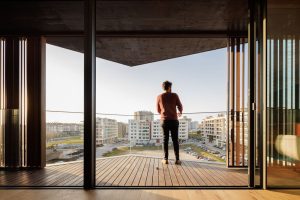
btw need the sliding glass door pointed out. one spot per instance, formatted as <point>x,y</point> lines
<point>283,99</point>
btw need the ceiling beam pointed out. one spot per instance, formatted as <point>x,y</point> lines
<point>136,34</point>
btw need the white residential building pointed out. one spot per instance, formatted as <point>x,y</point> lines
<point>106,130</point>
<point>122,130</point>
<point>183,129</point>
<point>194,125</point>
<point>156,129</point>
<point>214,129</point>
<point>144,115</point>
<point>64,128</point>
<point>139,131</point>
<point>189,120</point>
<point>157,132</point>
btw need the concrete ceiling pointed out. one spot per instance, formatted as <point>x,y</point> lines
<point>66,18</point>
<point>283,18</point>
<point>138,51</point>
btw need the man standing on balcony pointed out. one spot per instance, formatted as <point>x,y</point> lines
<point>166,106</point>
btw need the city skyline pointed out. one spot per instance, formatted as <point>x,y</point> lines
<point>184,117</point>
<point>193,76</point>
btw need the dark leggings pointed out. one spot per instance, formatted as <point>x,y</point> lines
<point>171,126</point>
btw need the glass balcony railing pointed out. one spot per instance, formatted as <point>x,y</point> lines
<point>144,136</point>
<point>64,136</point>
<point>202,136</point>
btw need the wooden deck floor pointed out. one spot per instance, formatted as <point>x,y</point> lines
<point>130,171</point>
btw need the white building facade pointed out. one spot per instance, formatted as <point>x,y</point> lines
<point>106,130</point>
<point>194,125</point>
<point>139,132</point>
<point>157,132</point>
<point>156,128</point>
<point>122,130</point>
<point>214,129</point>
<point>67,128</point>
<point>144,115</point>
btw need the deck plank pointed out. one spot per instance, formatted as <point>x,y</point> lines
<point>103,170</point>
<point>211,175</point>
<point>125,173</point>
<point>155,172</point>
<point>68,177</point>
<point>198,177</point>
<point>226,180</point>
<point>111,173</point>
<point>172,174</point>
<point>129,172</point>
<point>41,177</point>
<point>201,173</point>
<point>149,181</point>
<point>184,175</point>
<point>79,181</point>
<point>239,178</point>
<point>14,178</point>
<point>134,172</point>
<point>104,177</point>
<point>139,173</point>
<point>168,179</point>
<point>144,174</point>
<point>186,168</point>
<point>161,175</point>
<point>179,176</point>
<point>119,171</point>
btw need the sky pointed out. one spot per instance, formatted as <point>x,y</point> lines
<point>200,80</point>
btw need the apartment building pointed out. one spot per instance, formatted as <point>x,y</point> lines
<point>156,129</point>
<point>64,129</point>
<point>157,134</point>
<point>122,130</point>
<point>194,125</point>
<point>144,115</point>
<point>183,130</point>
<point>214,130</point>
<point>189,121</point>
<point>139,131</point>
<point>106,130</point>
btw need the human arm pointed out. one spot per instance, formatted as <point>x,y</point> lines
<point>179,106</point>
<point>157,105</point>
